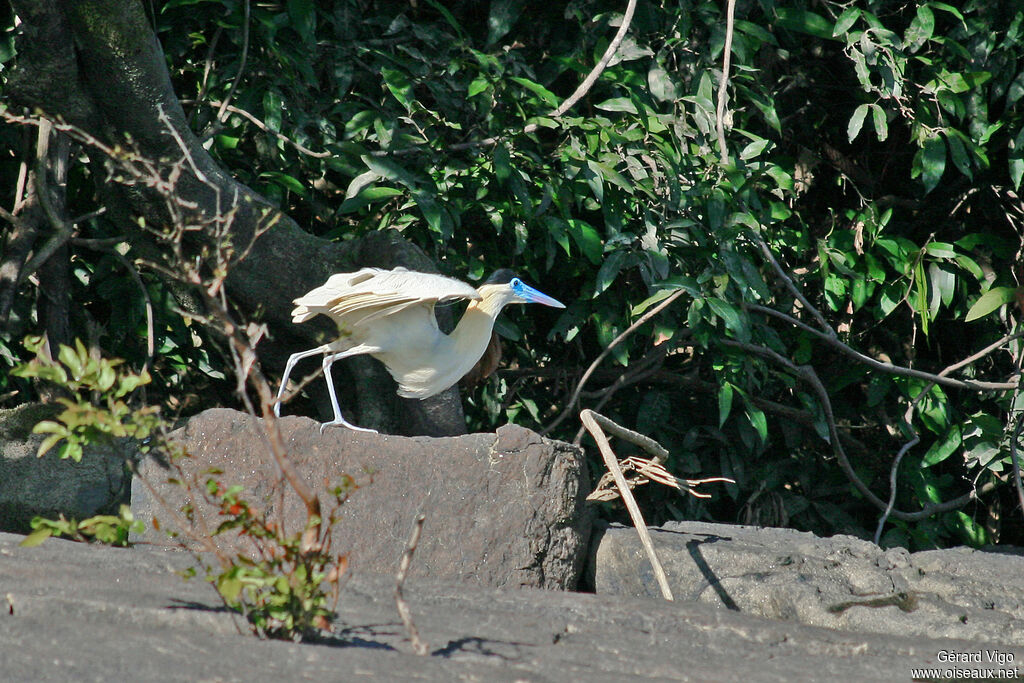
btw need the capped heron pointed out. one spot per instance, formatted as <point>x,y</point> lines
<point>389,314</point>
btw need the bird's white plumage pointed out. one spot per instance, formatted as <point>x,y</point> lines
<point>353,299</point>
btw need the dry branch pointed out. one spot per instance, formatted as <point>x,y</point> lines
<point>403,569</point>
<point>612,463</point>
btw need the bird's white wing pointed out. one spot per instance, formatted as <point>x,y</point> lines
<point>356,298</point>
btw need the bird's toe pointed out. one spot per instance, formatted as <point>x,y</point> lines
<point>347,425</point>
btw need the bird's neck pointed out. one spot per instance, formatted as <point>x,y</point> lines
<point>473,332</point>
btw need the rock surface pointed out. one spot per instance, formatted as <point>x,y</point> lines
<point>73,612</point>
<point>49,486</point>
<point>503,509</point>
<point>840,582</point>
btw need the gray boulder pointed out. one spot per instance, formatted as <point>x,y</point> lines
<point>840,582</point>
<point>503,509</point>
<point>49,486</point>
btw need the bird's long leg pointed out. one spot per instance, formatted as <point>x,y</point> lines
<point>338,419</point>
<point>292,360</point>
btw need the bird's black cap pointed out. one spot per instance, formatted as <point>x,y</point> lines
<point>502,276</point>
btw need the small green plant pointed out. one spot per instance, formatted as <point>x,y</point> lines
<point>108,529</point>
<point>286,589</point>
<point>290,589</point>
<point>97,409</point>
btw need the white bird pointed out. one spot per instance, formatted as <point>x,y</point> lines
<point>389,314</point>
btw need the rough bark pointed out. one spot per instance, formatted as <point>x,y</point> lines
<point>98,65</point>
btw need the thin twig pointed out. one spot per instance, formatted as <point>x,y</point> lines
<point>1016,460</point>
<point>723,82</point>
<point>571,405</point>
<point>241,61</point>
<point>788,282</point>
<point>646,367</point>
<point>612,463</point>
<point>207,68</point>
<point>648,470</point>
<point>658,452</point>
<point>267,129</point>
<point>418,645</point>
<point>595,73</point>
<point>568,103</point>
<point>892,486</point>
<point>940,378</point>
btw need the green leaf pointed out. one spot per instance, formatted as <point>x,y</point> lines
<point>447,16</point>
<point>286,181</point>
<point>399,85</point>
<point>49,442</point>
<point>370,195</point>
<point>803,21</point>
<point>973,532</point>
<point>932,162</point>
<point>845,21</point>
<point>662,85</point>
<point>941,450</point>
<point>502,163</point>
<point>920,29</point>
<point>229,587</point>
<point>958,153</point>
<point>941,250</point>
<point>758,421</point>
<point>1016,159</point>
<point>478,85</point>
<point>754,149</point>
<point>729,316</point>
<point>990,301</point>
<point>724,403</point>
<point>587,239</point>
<point>617,104</point>
<point>943,285</point>
<point>546,95</point>
<point>70,358</point>
<point>881,124</point>
<point>856,122</point>
<point>36,537</point>
<point>1016,169</point>
<point>389,170</point>
<point>609,271</point>
<point>948,8</point>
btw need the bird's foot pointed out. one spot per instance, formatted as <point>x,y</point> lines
<point>277,409</point>
<point>342,422</point>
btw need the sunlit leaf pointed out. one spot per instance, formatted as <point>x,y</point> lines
<point>36,537</point>
<point>724,402</point>
<point>856,122</point>
<point>991,300</point>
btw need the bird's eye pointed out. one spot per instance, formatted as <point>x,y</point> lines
<point>515,283</point>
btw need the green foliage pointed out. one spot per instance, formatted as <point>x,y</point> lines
<point>98,409</point>
<point>876,147</point>
<point>107,529</point>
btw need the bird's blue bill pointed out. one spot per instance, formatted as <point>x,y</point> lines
<point>533,296</point>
